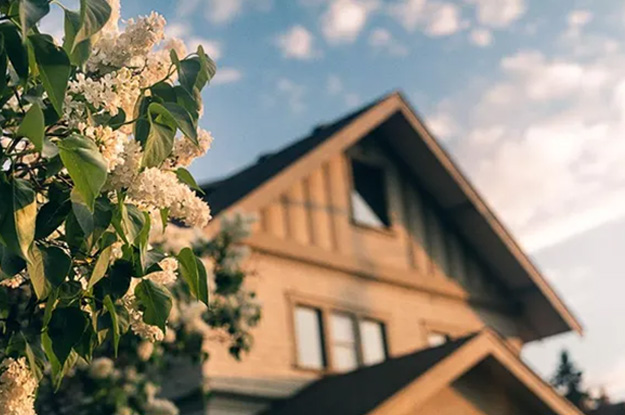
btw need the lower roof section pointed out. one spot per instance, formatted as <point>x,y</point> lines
<point>402,385</point>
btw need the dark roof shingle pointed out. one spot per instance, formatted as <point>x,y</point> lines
<point>362,390</point>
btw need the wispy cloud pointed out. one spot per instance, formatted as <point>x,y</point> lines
<point>381,40</point>
<point>297,43</point>
<point>544,143</point>
<point>499,13</point>
<point>481,37</point>
<point>293,93</point>
<point>227,76</point>
<point>434,18</point>
<point>220,11</point>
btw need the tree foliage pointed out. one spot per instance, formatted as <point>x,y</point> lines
<point>95,132</point>
<point>129,385</point>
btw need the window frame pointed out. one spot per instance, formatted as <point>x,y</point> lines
<point>326,309</point>
<point>386,229</point>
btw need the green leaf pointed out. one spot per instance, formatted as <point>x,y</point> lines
<point>208,66</point>
<point>15,49</point>
<point>32,360</point>
<point>160,140</point>
<point>18,212</point>
<point>3,67</point>
<point>116,283</point>
<point>65,330</point>
<point>195,72</point>
<point>129,222</point>
<point>164,213</point>
<point>93,15</point>
<point>33,126</point>
<point>5,306</point>
<point>51,302</point>
<point>78,53</point>
<point>100,267</point>
<point>182,119</point>
<point>156,302</point>
<point>110,307</point>
<point>55,365</point>
<point>54,68</point>
<point>85,165</point>
<point>191,101</point>
<point>50,217</point>
<point>48,267</point>
<point>10,264</point>
<point>31,11</point>
<point>194,273</point>
<point>185,177</point>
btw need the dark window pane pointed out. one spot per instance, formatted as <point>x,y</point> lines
<point>369,204</point>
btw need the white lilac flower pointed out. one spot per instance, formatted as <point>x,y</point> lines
<point>112,25</point>
<point>130,47</point>
<point>125,172</point>
<point>167,275</point>
<point>185,151</point>
<point>145,350</point>
<point>157,189</point>
<point>17,387</point>
<point>101,368</point>
<point>150,390</point>
<point>161,407</point>
<point>13,282</point>
<point>170,335</point>
<point>191,318</point>
<point>110,142</point>
<point>141,328</point>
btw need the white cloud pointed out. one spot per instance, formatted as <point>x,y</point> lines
<point>334,85</point>
<point>344,19</point>
<point>499,13</point>
<point>481,37</point>
<point>297,43</point>
<point>382,40</point>
<point>294,94</point>
<point>408,12</point>
<point>546,80</point>
<point>576,20</point>
<point>579,18</point>
<point>212,48</point>
<point>442,19</point>
<point>177,30</point>
<point>227,76</point>
<point>442,125</point>
<point>434,18</point>
<point>544,143</point>
<point>220,11</point>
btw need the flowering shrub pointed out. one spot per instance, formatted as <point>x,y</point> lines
<point>96,135</point>
<point>130,384</point>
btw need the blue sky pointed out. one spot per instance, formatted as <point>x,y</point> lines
<point>527,95</point>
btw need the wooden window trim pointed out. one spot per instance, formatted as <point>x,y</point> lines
<point>327,308</point>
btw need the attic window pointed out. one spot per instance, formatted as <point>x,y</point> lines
<point>369,204</point>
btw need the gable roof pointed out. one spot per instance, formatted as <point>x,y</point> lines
<point>363,390</point>
<point>545,313</point>
<point>403,383</point>
<point>225,192</point>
